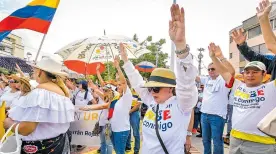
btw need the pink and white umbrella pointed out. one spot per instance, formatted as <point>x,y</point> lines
<point>145,66</point>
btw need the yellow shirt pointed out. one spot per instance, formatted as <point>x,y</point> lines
<point>136,98</point>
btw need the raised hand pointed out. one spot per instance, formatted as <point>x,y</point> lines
<point>98,67</point>
<point>218,52</point>
<point>212,49</point>
<point>177,26</point>
<point>264,9</point>
<point>117,61</point>
<point>17,68</point>
<point>123,52</point>
<point>238,36</point>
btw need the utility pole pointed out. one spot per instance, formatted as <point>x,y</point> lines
<point>200,56</point>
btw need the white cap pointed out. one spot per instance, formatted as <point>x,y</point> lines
<point>257,64</point>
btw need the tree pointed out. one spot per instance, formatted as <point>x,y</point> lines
<point>155,48</point>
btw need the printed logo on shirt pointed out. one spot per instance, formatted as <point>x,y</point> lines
<point>30,149</point>
<point>163,119</point>
<point>251,99</point>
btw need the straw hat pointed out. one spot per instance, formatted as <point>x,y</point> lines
<point>50,65</point>
<point>161,77</point>
<point>26,81</point>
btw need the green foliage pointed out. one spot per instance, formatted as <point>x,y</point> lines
<point>154,47</point>
<point>5,71</point>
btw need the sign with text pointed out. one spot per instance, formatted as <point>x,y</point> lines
<point>83,126</point>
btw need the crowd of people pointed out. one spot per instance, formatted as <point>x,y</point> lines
<point>43,104</point>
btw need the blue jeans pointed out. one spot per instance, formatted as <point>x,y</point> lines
<point>106,145</point>
<point>212,129</point>
<point>135,124</point>
<point>119,140</point>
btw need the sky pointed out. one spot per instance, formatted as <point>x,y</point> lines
<point>206,21</point>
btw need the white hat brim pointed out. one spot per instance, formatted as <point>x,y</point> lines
<point>61,74</point>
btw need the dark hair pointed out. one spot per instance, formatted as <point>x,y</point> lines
<point>84,85</point>
<point>50,75</point>
<point>174,92</point>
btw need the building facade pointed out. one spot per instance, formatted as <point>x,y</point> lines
<point>255,39</point>
<point>12,46</point>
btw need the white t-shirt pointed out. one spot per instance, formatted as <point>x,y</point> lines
<point>173,123</point>
<point>8,97</point>
<point>251,105</point>
<point>174,114</point>
<point>80,98</point>
<point>215,96</point>
<point>120,119</point>
<point>103,115</point>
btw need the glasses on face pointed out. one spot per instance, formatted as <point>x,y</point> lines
<point>13,81</point>
<point>211,69</point>
<point>154,89</point>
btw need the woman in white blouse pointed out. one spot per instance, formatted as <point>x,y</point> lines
<point>44,116</point>
<point>168,116</point>
<point>12,93</point>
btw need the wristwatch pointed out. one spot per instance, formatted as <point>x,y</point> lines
<point>189,133</point>
<point>179,52</point>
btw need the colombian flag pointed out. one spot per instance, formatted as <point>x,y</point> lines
<point>36,16</point>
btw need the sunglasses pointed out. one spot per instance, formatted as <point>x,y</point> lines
<point>154,89</point>
<point>13,81</point>
<point>211,69</point>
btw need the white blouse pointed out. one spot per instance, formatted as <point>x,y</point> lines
<point>52,111</point>
<point>8,97</point>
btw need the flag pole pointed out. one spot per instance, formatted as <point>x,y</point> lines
<point>39,50</point>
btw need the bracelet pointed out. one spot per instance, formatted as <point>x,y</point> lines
<point>187,49</point>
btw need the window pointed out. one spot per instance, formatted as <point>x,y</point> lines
<point>8,38</point>
<point>254,32</point>
<point>230,55</point>
<point>263,49</point>
<point>2,48</point>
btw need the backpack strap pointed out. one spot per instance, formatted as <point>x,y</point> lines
<point>157,131</point>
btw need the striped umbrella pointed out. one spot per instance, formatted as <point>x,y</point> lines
<point>145,66</point>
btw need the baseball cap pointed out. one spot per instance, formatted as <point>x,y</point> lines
<point>256,64</point>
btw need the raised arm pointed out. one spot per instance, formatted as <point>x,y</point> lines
<point>263,14</point>
<point>18,69</point>
<point>186,72</point>
<point>246,51</point>
<point>224,61</point>
<point>96,89</point>
<point>223,71</point>
<point>135,78</point>
<point>120,73</point>
<point>99,75</point>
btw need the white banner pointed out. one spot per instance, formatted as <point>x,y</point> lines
<point>83,126</point>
